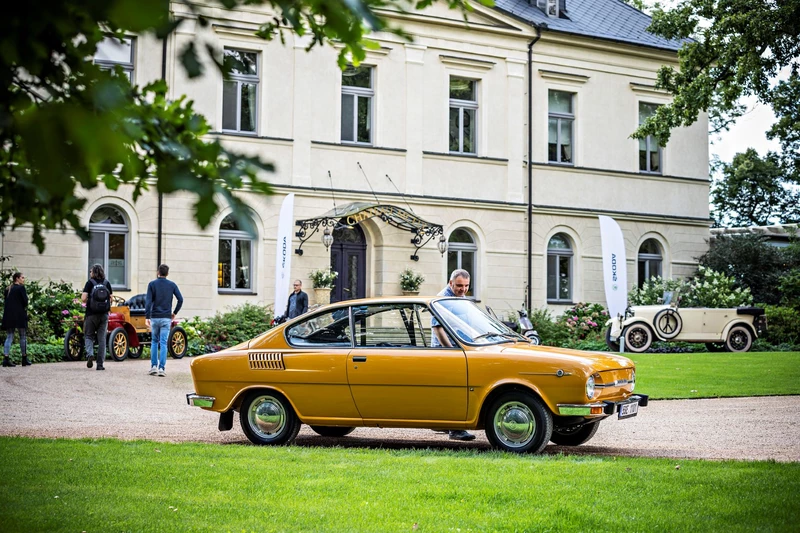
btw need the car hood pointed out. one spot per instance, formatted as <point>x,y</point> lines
<point>598,361</point>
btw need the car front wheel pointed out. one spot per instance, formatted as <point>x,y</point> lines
<point>268,418</point>
<point>73,345</point>
<point>518,422</point>
<point>332,431</point>
<point>638,338</point>
<point>574,435</point>
<point>740,339</point>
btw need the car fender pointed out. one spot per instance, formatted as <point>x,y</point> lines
<point>478,409</point>
<point>738,322</point>
<point>617,332</point>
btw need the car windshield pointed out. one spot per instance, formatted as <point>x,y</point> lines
<point>471,324</point>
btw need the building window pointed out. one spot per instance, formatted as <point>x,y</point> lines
<point>463,115</point>
<point>560,121</point>
<point>240,91</point>
<point>462,253</point>
<point>235,265</point>
<point>552,8</point>
<point>649,260</point>
<point>559,269</point>
<point>111,52</point>
<point>357,93</point>
<point>649,150</point>
<point>108,244</point>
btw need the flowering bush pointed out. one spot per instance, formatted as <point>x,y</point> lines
<point>73,314</point>
<point>653,289</point>
<point>410,280</point>
<point>323,279</point>
<point>584,321</point>
<point>710,288</point>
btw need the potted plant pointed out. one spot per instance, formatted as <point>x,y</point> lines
<point>322,281</point>
<point>410,281</point>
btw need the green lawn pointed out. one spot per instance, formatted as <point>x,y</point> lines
<point>713,375</point>
<point>107,485</point>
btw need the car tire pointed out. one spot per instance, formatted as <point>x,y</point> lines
<point>740,339</point>
<point>74,348</point>
<point>177,342</point>
<point>118,344</point>
<point>612,345</point>
<point>638,337</point>
<point>268,418</point>
<point>332,431</point>
<point>518,422</point>
<point>574,435</point>
<point>715,347</point>
<point>668,323</point>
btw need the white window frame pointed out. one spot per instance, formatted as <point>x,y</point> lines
<point>561,117</point>
<point>127,66</point>
<point>558,253</point>
<point>458,248</point>
<point>461,105</point>
<point>649,141</point>
<point>252,79</point>
<point>649,259</point>
<point>357,93</point>
<point>552,8</point>
<point>113,229</point>
<point>236,236</point>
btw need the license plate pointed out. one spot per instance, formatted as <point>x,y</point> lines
<point>628,410</point>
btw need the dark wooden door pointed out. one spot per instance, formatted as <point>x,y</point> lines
<point>349,259</point>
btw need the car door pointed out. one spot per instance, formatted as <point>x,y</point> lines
<point>394,373</point>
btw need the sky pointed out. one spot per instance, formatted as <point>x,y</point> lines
<point>748,132</point>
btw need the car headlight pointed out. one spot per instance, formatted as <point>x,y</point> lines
<point>633,380</point>
<point>590,387</point>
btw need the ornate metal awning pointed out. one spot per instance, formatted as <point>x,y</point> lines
<point>355,212</point>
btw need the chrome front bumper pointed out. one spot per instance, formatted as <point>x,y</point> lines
<point>200,401</point>
<point>599,408</point>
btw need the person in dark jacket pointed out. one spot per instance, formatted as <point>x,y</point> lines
<point>298,301</point>
<point>159,316</point>
<point>95,323</point>
<point>15,317</point>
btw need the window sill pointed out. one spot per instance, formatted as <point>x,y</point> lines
<point>560,164</point>
<point>360,146</point>
<point>249,135</point>
<point>561,302</point>
<point>241,292</point>
<point>460,155</point>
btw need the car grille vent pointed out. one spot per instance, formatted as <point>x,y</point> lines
<point>266,361</point>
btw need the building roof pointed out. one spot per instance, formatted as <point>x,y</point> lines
<point>602,19</point>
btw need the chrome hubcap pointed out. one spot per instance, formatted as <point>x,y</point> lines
<point>514,424</point>
<point>267,417</point>
<point>637,338</point>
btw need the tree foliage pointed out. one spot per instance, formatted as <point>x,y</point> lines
<point>739,48</point>
<point>751,192</point>
<point>67,124</point>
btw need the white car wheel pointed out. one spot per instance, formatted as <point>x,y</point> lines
<point>740,339</point>
<point>638,338</point>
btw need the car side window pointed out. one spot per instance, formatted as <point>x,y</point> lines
<point>331,329</point>
<point>388,326</point>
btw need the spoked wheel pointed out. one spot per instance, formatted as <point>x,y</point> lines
<point>740,339</point>
<point>74,348</point>
<point>518,422</point>
<point>574,435</point>
<point>268,418</point>
<point>118,344</point>
<point>135,352</point>
<point>638,338</point>
<point>177,343</point>
<point>332,431</point>
<point>117,301</point>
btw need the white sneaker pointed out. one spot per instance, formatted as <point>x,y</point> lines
<point>153,370</point>
<point>161,372</point>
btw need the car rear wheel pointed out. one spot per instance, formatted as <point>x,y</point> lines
<point>73,345</point>
<point>518,422</point>
<point>268,418</point>
<point>574,435</point>
<point>612,345</point>
<point>638,338</point>
<point>332,431</point>
<point>740,339</point>
<point>118,344</point>
<point>177,344</point>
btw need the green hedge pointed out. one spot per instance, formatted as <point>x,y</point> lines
<point>38,353</point>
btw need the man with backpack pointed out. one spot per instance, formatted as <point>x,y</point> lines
<point>97,297</point>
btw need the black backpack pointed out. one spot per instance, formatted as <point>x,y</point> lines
<point>100,298</point>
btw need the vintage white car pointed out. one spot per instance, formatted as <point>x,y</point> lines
<point>731,329</point>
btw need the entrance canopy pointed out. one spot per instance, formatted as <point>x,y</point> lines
<point>355,212</point>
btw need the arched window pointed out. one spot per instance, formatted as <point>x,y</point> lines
<point>108,244</point>
<point>235,264</point>
<point>649,260</point>
<point>462,253</point>
<point>559,269</point>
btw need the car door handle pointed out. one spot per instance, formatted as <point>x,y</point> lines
<point>359,358</point>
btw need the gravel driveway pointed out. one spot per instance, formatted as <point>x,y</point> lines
<point>69,400</point>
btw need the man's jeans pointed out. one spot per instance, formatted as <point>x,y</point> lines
<point>158,345</point>
<point>95,328</point>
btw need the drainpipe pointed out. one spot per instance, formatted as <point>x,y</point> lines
<point>161,195</point>
<point>530,166</point>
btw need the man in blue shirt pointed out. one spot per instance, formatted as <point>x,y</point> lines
<point>457,287</point>
<point>159,316</point>
<point>298,301</point>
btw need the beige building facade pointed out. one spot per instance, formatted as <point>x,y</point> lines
<point>438,127</point>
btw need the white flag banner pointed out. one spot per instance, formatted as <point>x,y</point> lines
<point>283,255</point>
<point>615,268</point>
